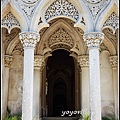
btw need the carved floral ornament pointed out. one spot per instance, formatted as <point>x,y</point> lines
<point>83,61</point>
<point>112,21</point>
<point>10,21</point>
<point>8,60</point>
<point>61,7</point>
<point>93,39</point>
<point>39,62</point>
<point>61,37</point>
<point>29,39</point>
<point>113,61</point>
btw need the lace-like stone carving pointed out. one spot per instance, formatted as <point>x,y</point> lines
<point>28,10</point>
<point>10,21</point>
<point>8,60</point>
<point>62,7</point>
<point>39,62</point>
<point>83,61</point>
<point>29,39</point>
<point>113,61</point>
<point>93,39</point>
<point>112,21</point>
<point>19,47</point>
<point>96,5</point>
<point>61,37</point>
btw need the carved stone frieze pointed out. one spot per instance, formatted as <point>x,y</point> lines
<point>60,37</point>
<point>113,61</point>
<point>112,21</point>
<point>96,5</point>
<point>29,39</point>
<point>93,39</point>
<point>8,60</point>
<point>62,7</point>
<point>39,62</point>
<point>61,46</point>
<point>83,61</point>
<point>10,21</point>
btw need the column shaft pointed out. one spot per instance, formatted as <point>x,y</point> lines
<point>28,84</point>
<point>29,41</point>
<point>93,41</point>
<point>95,95</point>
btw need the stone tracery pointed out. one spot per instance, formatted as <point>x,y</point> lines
<point>96,5</point>
<point>60,37</point>
<point>112,21</point>
<point>10,21</point>
<point>61,7</point>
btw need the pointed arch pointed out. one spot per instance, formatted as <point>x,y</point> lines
<point>55,26</point>
<point>44,4</point>
<point>11,7</point>
<point>112,7</point>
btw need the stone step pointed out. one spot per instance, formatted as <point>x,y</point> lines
<point>59,118</point>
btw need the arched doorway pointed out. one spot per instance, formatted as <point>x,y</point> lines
<point>60,76</point>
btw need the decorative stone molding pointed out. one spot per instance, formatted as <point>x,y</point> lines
<point>112,21</point>
<point>29,39</point>
<point>60,37</point>
<point>8,60</point>
<point>30,1</point>
<point>83,61</point>
<point>93,40</point>
<point>113,61</point>
<point>19,47</point>
<point>39,62</point>
<point>96,5</point>
<point>62,7</point>
<point>10,21</point>
<point>103,47</point>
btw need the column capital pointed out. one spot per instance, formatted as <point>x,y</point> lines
<point>113,61</point>
<point>83,61</point>
<point>8,60</point>
<point>29,39</point>
<point>39,62</point>
<point>93,39</point>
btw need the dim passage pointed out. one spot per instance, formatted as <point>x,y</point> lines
<point>70,113</point>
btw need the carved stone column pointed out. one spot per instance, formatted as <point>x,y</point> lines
<point>7,63</point>
<point>29,41</point>
<point>114,65</point>
<point>93,41</point>
<point>84,64</point>
<point>38,68</point>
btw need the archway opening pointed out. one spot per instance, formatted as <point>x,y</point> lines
<point>60,76</point>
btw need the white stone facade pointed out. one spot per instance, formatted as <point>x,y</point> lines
<point>33,29</point>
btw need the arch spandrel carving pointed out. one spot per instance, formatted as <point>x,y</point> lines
<point>61,7</point>
<point>112,22</point>
<point>10,22</point>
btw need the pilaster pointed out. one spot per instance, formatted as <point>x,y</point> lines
<point>83,62</point>
<point>114,64</point>
<point>5,82</point>
<point>29,41</point>
<point>93,41</point>
<point>38,68</point>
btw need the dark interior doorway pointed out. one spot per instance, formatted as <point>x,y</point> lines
<point>61,83</point>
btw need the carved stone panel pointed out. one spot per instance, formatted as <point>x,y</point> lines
<point>10,21</point>
<point>62,7</point>
<point>60,37</point>
<point>112,21</point>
